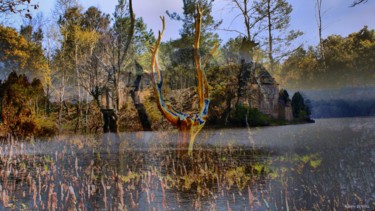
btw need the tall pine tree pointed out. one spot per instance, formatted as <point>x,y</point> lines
<point>276,21</point>
<point>181,70</point>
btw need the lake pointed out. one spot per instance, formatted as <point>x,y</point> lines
<point>322,166</point>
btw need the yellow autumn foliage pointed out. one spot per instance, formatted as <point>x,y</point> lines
<point>21,56</point>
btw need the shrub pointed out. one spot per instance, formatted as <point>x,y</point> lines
<point>254,117</point>
<point>20,103</point>
<point>45,126</point>
<point>300,107</point>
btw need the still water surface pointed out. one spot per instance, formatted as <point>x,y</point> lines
<point>327,165</point>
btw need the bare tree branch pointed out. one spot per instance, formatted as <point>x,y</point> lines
<point>17,6</point>
<point>131,31</point>
<point>233,30</point>
<point>356,2</point>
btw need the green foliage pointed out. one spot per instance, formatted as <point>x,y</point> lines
<point>314,160</point>
<point>80,35</point>
<point>188,18</point>
<point>94,19</point>
<point>23,53</point>
<point>18,54</point>
<point>231,49</point>
<point>347,60</point>
<point>30,35</point>
<point>241,114</point>
<point>180,70</point>
<point>223,90</point>
<point>300,110</point>
<point>276,20</point>
<point>284,96</point>
<point>44,125</point>
<point>142,38</point>
<point>154,115</point>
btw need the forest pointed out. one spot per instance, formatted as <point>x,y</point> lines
<point>89,70</point>
<point>99,112</point>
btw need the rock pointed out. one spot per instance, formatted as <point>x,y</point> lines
<point>258,89</point>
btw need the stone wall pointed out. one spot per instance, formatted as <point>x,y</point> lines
<point>262,92</point>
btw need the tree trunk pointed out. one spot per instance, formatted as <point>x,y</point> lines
<point>186,139</point>
<point>87,113</point>
<point>182,141</point>
<point>319,21</point>
<point>97,100</point>
<point>78,124</point>
<point>78,113</point>
<point>229,95</point>
<point>189,125</point>
<point>116,77</point>
<point>48,101</point>
<point>142,114</point>
<point>110,121</point>
<point>116,93</point>
<point>107,104</point>
<point>1,109</point>
<point>61,100</point>
<point>270,38</point>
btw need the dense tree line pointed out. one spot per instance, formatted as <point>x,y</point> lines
<point>23,53</point>
<point>348,61</point>
<point>88,61</point>
<point>24,107</point>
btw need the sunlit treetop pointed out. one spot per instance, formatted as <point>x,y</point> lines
<point>20,55</point>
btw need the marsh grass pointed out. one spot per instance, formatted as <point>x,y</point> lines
<point>141,171</point>
<point>78,173</point>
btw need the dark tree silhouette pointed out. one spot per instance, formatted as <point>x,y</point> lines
<point>300,109</point>
<point>284,96</point>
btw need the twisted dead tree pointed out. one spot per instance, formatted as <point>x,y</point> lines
<point>188,125</point>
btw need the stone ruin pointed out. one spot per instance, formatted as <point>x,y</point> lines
<point>259,90</point>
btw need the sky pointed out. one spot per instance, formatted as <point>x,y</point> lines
<point>338,17</point>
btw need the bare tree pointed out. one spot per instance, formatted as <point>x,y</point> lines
<point>61,6</point>
<point>356,2</point>
<point>61,64</point>
<point>93,77</point>
<point>121,46</point>
<point>117,55</point>
<point>318,15</point>
<point>18,6</point>
<point>189,125</point>
<point>251,21</point>
<point>276,21</point>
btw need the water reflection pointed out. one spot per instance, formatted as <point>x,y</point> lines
<point>324,166</point>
